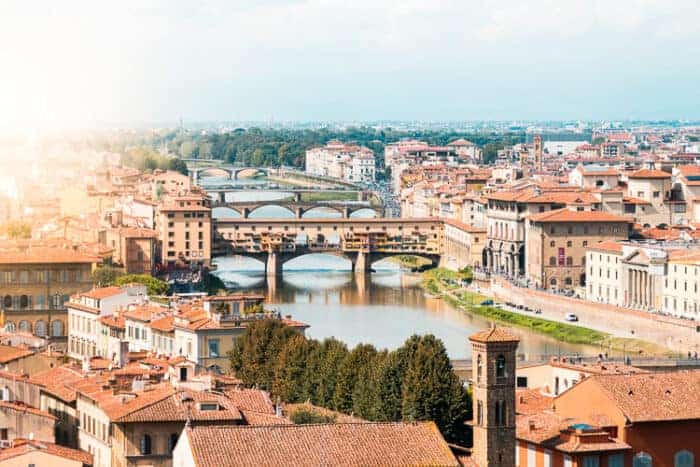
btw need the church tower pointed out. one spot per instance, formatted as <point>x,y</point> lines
<point>538,150</point>
<point>493,376</point>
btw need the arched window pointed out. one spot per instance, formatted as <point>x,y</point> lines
<point>500,413</point>
<point>56,328</point>
<point>7,301</point>
<point>552,243</point>
<point>683,459</point>
<point>500,366</point>
<point>145,445</point>
<point>172,441</point>
<point>23,301</point>
<point>479,368</point>
<point>642,459</point>
<point>568,281</point>
<point>10,326</point>
<point>553,281</point>
<point>40,328</point>
<point>25,326</point>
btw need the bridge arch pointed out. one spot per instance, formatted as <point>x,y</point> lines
<point>364,212</point>
<point>271,210</point>
<point>226,212</point>
<point>255,171</point>
<point>214,172</point>
<point>314,212</point>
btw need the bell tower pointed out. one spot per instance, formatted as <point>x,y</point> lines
<point>493,370</point>
<point>538,150</point>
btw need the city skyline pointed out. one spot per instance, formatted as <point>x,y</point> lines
<point>84,65</point>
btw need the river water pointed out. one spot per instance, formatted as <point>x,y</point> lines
<point>383,308</point>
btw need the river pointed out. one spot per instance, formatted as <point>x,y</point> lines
<point>383,308</point>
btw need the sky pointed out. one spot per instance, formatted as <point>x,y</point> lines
<point>87,63</point>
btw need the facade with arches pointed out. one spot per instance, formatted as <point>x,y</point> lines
<point>35,285</point>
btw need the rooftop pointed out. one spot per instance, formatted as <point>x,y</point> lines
<point>349,444</point>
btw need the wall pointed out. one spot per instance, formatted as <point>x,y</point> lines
<point>40,458</point>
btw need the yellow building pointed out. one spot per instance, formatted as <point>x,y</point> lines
<point>183,224</point>
<point>35,284</point>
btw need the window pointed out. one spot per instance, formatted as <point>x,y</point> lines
<point>548,459</point>
<point>500,366</point>
<point>569,243</point>
<point>656,194</point>
<point>213,347</point>
<point>500,413</point>
<point>479,367</point>
<point>552,243</point>
<point>531,453</point>
<point>552,261</point>
<point>479,413</point>
<point>591,461</point>
<point>567,461</point>
<point>642,459</point>
<point>521,381</point>
<point>683,459</point>
<point>616,460</point>
<point>208,406</point>
<point>172,441</point>
<point>145,445</point>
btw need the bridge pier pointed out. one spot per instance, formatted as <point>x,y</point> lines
<point>299,212</point>
<point>362,264</point>
<point>297,196</point>
<point>245,212</point>
<point>273,265</point>
<point>346,212</point>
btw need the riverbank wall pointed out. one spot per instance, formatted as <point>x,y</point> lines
<point>677,335</point>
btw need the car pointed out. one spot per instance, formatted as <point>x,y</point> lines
<point>571,317</point>
<point>487,302</point>
<point>538,311</point>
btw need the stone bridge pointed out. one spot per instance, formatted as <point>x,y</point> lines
<point>362,241</point>
<point>298,208</point>
<point>225,171</point>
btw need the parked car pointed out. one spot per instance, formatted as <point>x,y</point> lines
<point>487,302</point>
<point>571,317</point>
<point>538,311</point>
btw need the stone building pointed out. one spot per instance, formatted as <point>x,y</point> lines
<point>557,242</point>
<point>493,361</point>
<point>464,245</point>
<point>35,284</point>
<point>134,248</point>
<point>184,231</point>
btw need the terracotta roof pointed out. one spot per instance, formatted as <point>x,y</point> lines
<point>655,396</point>
<point>76,305</point>
<point>254,400</point>
<point>608,245</point>
<point>348,444</point>
<point>164,324</point>
<point>494,334</point>
<point>101,293</point>
<point>9,353</point>
<point>143,312</point>
<point>649,173</point>
<point>45,255</point>
<point>182,406</point>
<point>465,227</point>
<point>58,382</point>
<point>24,446</point>
<point>258,418</point>
<point>568,215</point>
<point>531,401</point>
<point>113,321</point>
<point>23,408</point>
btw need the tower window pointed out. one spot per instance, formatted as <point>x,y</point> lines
<point>479,365</point>
<point>500,366</point>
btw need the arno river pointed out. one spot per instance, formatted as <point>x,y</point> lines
<point>383,308</point>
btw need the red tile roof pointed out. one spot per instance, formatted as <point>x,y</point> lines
<point>494,334</point>
<point>45,255</point>
<point>58,382</point>
<point>348,444</point>
<point>9,353</point>
<point>568,215</point>
<point>24,446</point>
<point>101,293</point>
<point>649,173</point>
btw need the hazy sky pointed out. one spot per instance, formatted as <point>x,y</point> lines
<point>81,62</point>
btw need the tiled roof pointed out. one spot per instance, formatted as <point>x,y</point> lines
<point>58,382</point>
<point>531,401</point>
<point>113,321</point>
<point>254,400</point>
<point>182,406</point>
<point>45,255</point>
<point>143,312</point>
<point>258,418</point>
<point>348,444</point>
<point>655,396</point>
<point>568,215</point>
<point>494,334</point>
<point>9,353</point>
<point>24,446</point>
<point>649,173</point>
<point>164,324</point>
<point>22,408</point>
<point>465,227</point>
<point>608,245</point>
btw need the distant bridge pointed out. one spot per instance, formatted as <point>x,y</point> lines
<point>225,171</point>
<point>298,208</point>
<point>362,241</point>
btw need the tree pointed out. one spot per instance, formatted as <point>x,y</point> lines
<point>155,286</point>
<point>353,368</point>
<point>304,416</point>
<point>256,351</point>
<point>290,369</point>
<point>178,165</point>
<point>391,378</point>
<point>490,152</point>
<point>104,276</point>
<point>365,396</point>
<point>432,391</point>
<point>323,375</point>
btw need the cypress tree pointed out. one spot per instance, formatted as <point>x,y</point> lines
<point>390,380</point>
<point>432,391</point>
<point>291,369</point>
<point>353,367</point>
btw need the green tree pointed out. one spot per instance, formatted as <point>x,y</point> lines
<point>178,165</point>
<point>432,391</point>
<point>304,416</point>
<point>351,370</point>
<point>290,369</point>
<point>256,351</point>
<point>330,355</point>
<point>104,276</point>
<point>365,403</point>
<point>155,286</point>
<point>391,378</point>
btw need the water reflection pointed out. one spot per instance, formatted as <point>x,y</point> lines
<point>384,308</point>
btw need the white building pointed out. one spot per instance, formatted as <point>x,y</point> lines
<point>86,309</point>
<point>347,162</point>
